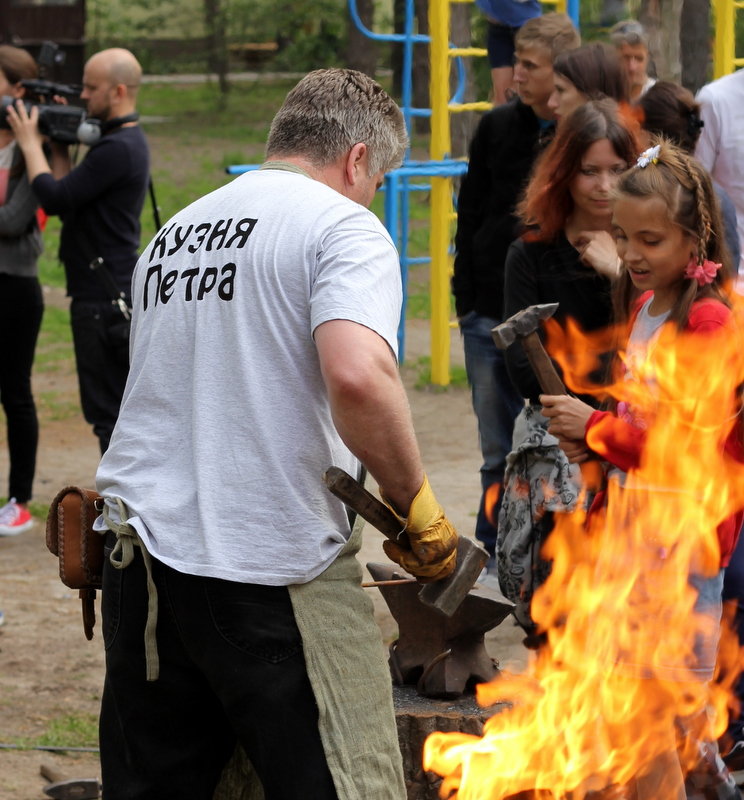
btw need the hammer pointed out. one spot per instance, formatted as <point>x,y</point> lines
<point>61,787</point>
<point>444,595</point>
<point>523,326</point>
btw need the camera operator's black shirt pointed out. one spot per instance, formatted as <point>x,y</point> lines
<point>100,202</point>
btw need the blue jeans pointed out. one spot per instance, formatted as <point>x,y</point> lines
<point>496,404</point>
<point>733,591</point>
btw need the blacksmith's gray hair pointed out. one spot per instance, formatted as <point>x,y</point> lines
<point>331,110</point>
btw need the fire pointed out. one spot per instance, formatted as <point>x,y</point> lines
<point>613,698</point>
<point>489,503</point>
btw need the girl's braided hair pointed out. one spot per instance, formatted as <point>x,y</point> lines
<point>686,188</point>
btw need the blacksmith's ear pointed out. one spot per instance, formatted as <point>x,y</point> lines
<point>354,162</point>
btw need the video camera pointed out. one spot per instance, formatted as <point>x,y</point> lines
<point>56,120</point>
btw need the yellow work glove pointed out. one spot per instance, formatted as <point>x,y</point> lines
<point>432,537</point>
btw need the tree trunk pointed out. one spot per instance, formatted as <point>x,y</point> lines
<point>421,97</point>
<point>215,17</point>
<point>462,124</point>
<point>396,55</point>
<point>649,15</point>
<point>657,16</point>
<point>361,51</point>
<point>695,43</point>
<point>671,13</point>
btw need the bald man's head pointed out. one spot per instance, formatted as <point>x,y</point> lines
<point>110,83</point>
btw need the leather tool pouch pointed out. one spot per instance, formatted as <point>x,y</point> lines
<point>70,537</point>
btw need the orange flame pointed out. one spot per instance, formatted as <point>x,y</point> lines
<point>489,502</point>
<point>613,700</point>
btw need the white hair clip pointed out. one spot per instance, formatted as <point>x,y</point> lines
<point>650,156</point>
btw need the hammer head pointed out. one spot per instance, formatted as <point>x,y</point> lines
<point>446,595</point>
<point>522,324</point>
<point>74,789</point>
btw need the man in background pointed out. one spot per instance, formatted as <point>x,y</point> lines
<point>99,202</point>
<point>631,41</point>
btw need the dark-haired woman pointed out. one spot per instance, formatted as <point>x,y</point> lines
<point>587,73</point>
<point>567,256</point>
<point>21,305</point>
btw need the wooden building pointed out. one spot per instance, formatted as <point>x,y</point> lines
<point>30,23</point>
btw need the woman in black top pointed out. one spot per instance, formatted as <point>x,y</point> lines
<point>566,256</point>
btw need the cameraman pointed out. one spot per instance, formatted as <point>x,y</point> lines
<point>99,202</point>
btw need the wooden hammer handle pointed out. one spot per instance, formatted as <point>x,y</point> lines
<point>51,773</point>
<point>542,365</point>
<point>357,498</point>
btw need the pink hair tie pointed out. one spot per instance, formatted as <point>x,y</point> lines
<point>702,273</point>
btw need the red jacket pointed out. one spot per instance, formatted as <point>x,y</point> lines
<point>623,443</point>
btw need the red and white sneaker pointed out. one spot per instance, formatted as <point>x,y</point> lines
<point>14,518</point>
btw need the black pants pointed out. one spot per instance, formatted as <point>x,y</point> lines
<point>231,669</point>
<point>102,359</point>
<point>21,310</point>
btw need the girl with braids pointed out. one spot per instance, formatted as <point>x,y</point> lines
<point>668,230</point>
<point>671,111</point>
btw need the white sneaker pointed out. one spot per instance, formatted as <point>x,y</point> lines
<point>14,518</point>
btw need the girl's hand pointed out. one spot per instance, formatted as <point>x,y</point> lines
<point>25,126</point>
<point>576,451</point>
<point>568,415</point>
<point>597,250</point>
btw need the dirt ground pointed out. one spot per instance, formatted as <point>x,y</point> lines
<point>48,671</point>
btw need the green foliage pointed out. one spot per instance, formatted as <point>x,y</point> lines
<point>124,20</point>
<point>309,32</point>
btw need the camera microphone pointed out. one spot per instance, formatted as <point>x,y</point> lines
<point>90,130</point>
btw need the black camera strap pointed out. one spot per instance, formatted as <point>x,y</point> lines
<point>118,298</point>
<point>155,209</point>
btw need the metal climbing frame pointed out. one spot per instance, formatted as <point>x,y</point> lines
<point>724,45</point>
<point>441,168</point>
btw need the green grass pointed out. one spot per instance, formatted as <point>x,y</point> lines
<point>66,731</point>
<point>71,730</point>
<point>56,406</point>
<point>38,510</point>
<point>458,378</point>
<point>55,340</point>
<point>50,270</point>
<point>197,111</point>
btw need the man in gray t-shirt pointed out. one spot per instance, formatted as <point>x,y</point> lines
<point>263,350</point>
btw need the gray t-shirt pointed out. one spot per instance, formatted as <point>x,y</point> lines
<point>225,428</point>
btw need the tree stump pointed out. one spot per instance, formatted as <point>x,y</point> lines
<point>416,718</point>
